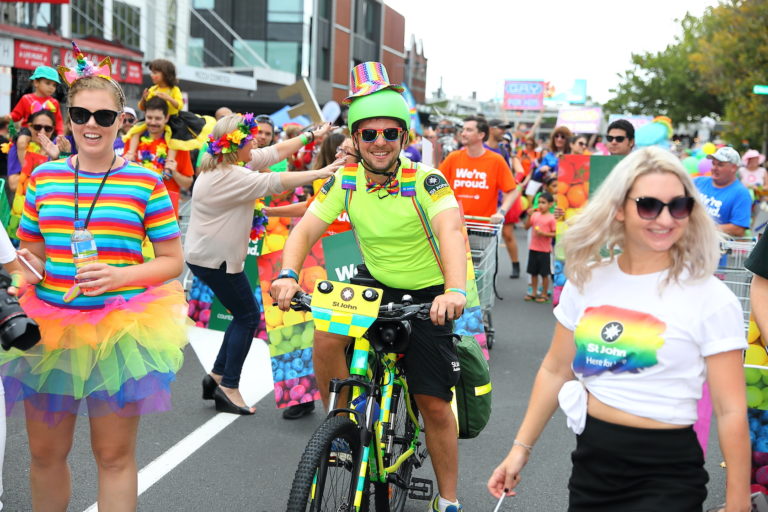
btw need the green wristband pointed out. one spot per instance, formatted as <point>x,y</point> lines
<point>304,139</point>
<point>457,290</point>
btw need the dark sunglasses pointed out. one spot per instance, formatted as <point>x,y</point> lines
<point>39,127</point>
<point>560,136</point>
<point>390,134</point>
<point>617,138</point>
<point>80,115</point>
<point>129,119</point>
<point>581,143</point>
<point>649,208</point>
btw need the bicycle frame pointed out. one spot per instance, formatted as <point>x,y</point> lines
<point>378,382</point>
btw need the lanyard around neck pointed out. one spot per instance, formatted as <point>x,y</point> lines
<point>98,192</point>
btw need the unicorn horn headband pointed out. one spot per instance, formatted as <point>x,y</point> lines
<point>85,68</point>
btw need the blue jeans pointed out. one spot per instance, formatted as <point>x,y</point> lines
<point>235,293</point>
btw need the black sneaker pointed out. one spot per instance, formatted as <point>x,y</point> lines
<point>515,271</point>
<point>295,412</point>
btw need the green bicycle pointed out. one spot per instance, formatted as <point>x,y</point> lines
<point>371,446</point>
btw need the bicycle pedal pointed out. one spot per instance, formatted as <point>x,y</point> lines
<point>420,489</point>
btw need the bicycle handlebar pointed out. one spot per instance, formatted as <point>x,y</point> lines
<point>390,311</point>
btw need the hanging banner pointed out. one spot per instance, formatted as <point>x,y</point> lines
<point>581,119</point>
<point>523,95</point>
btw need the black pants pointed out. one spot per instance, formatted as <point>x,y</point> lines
<point>626,469</point>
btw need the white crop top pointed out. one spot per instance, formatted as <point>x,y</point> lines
<point>641,348</point>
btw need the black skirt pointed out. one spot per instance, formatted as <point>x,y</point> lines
<point>627,469</point>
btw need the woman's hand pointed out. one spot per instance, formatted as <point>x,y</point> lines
<point>130,156</point>
<point>63,144</point>
<point>35,262</point>
<point>97,278</point>
<point>51,149</point>
<point>507,475</point>
<point>322,131</point>
<point>329,169</point>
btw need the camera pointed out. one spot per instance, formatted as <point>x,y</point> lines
<point>17,330</point>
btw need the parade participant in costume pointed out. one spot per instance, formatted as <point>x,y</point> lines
<point>636,337</point>
<point>217,238</point>
<point>112,332</point>
<point>188,131</point>
<point>154,152</point>
<point>390,198</point>
<point>44,81</point>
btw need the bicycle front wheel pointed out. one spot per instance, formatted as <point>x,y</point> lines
<point>326,479</point>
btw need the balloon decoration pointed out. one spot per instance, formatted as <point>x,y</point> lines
<point>656,133</point>
<point>705,166</point>
<point>708,148</point>
<point>523,203</point>
<point>691,164</point>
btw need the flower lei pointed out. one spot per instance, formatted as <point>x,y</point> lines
<point>234,140</point>
<point>152,153</point>
<point>259,223</point>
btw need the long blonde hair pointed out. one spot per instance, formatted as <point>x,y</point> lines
<point>596,227</point>
<point>223,126</point>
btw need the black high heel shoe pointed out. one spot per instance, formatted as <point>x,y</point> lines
<point>224,404</point>
<point>209,386</point>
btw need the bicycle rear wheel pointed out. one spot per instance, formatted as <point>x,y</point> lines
<point>326,478</point>
<point>391,496</point>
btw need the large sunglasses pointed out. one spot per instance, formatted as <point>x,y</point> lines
<point>80,115</point>
<point>649,208</point>
<point>617,138</point>
<point>390,134</point>
<point>39,127</point>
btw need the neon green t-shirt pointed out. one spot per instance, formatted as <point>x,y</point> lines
<point>392,239</point>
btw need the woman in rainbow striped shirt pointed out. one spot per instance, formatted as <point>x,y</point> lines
<point>111,350</point>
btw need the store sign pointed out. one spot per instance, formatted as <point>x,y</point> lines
<point>30,55</point>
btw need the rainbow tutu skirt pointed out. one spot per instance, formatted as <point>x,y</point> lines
<point>121,358</point>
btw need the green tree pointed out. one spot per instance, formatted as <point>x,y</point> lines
<point>665,83</point>
<point>731,60</point>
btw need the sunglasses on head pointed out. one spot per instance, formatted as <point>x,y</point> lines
<point>80,115</point>
<point>649,208</point>
<point>39,127</point>
<point>617,138</point>
<point>370,135</point>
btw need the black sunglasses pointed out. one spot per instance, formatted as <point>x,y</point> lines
<point>80,115</point>
<point>617,138</point>
<point>390,134</point>
<point>38,127</point>
<point>129,119</point>
<point>649,208</point>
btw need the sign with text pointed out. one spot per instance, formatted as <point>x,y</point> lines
<point>523,95</point>
<point>581,119</point>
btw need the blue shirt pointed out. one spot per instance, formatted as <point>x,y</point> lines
<point>726,205</point>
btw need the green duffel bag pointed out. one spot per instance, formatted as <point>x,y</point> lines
<point>473,391</point>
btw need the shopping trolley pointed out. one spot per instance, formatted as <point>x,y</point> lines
<point>732,272</point>
<point>185,211</point>
<point>484,245</point>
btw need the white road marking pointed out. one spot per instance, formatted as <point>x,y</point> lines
<point>255,383</point>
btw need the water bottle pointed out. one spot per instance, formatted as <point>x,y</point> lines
<point>84,251</point>
<point>358,404</point>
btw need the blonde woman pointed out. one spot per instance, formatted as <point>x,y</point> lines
<point>217,238</point>
<point>637,334</point>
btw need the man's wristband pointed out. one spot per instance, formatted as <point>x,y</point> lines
<point>287,272</point>
<point>304,139</point>
<point>457,290</point>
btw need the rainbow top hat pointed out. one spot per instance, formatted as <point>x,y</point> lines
<point>368,78</point>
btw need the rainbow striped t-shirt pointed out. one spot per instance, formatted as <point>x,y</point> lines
<point>133,204</point>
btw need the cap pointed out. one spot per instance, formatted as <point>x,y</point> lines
<point>498,123</point>
<point>46,72</point>
<point>726,154</point>
<point>129,110</point>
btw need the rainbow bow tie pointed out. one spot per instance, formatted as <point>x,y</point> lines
<point>391,187</point>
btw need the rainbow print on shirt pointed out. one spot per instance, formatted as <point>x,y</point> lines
<point>616,340</point>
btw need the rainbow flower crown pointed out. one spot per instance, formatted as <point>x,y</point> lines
<point>230,142</point>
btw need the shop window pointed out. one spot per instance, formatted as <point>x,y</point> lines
<point>126,24</point>
<point>196,52</point>
<point>285,11</point>
<point>88,18</point>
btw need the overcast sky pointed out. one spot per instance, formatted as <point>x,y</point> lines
<point>474,45</point>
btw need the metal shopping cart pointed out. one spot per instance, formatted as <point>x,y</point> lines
<point>185,210</point>
<point>484,245</point>
<point>732,272</point>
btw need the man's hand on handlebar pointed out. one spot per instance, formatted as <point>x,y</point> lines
<point>447,307</point>
<point>282,291</point>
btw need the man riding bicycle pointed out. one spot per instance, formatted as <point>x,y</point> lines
<point>394,206</point>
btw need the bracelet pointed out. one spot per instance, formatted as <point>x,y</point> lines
<point>287,272</point>
<point>526,446</point>
<point>304,139</point>
<point>502,211</point>
<point>313,136</point>
<point>457,290</point>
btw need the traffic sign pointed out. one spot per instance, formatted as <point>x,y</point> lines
<point>760,89</point>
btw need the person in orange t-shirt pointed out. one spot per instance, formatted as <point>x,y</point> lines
<point>477,174</point>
